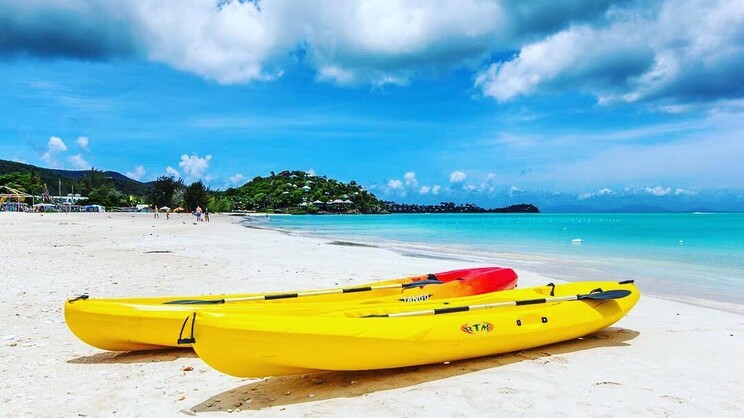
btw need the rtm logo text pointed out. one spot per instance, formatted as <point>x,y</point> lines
<point>477,327</point>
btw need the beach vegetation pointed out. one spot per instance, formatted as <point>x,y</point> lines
<point>196,194</point>
<point>164,191</point>
<point>299,192</point>
<point>32,179</point>
<point>106,195</point>
<point>28,182</point>
<point>293,192</point>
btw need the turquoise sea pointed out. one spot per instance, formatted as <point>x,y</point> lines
<point>696,257</point>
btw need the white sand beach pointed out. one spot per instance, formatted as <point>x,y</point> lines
<point>664,359</point>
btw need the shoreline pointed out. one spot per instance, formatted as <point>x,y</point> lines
<point>527,262</point>
<point>658,360</point>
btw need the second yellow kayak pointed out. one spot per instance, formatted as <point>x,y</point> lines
<point>375,337</point>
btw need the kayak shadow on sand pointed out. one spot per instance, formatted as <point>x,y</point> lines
<point>127,357</point>
<point>288,390</point>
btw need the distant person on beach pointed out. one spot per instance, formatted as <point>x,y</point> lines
<point>206,215</point>
<point>157,212</point>
<point>167,214</point>
<point>198,213</point>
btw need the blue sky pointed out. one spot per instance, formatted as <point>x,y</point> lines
<point>565,103</point>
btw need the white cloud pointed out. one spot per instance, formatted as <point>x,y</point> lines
<point>78,162</point>
<point>685,192</point>
<point>395,184</point>
<point>616,50</point>
<point>514,190</point>
<point>232,43</point>
<point>194,166</point>
<point>387,42</point>
<point>346,42</point>
<point>435,189</point>
<point>170,171</point>
<point>424,190</point>
<point>137,174</point>
<point>55,146</point>
<point>82,142</point>
<point>658,190</point>
<point>673,51</point>
<point>410,179</point>
<point>236,178</point>
<point>457,176</point>
<point>488,184</point>
<point>601,192</point>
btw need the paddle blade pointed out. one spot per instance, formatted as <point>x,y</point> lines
<point>610,294</point>
<point>420,283</point>
<point>195,302</point>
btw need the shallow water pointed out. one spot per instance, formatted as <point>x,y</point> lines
<point>695,257</point>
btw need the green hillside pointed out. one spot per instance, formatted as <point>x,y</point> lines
<point>31,179</point>
<point>300,192</point>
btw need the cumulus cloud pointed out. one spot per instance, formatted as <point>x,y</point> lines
<point>658,190</point>
<point>237,41</point>
<point>231,43</point>
<point>435,189</point>
<point>457,176</point>
<point>137,174</point>
<point>78,162</point>
<point>410,179</point>
<point>236,178</point>
<point>601,192</point>
<point>55,146</point>
<point>82,142</point>
<point>672,51</point>
<point>424,190</point>
<point>170,171</point>
<point>397,187</point>
<point>395,184</point>
<point>194,166</point>
<point>80,29</point>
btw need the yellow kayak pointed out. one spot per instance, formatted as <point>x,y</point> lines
<point>386,336</point>
<point>129,324</point>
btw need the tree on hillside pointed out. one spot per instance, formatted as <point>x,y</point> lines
<point>197,194</point>
<point>93,179</point>
<point>163,191</point>
<point>26,182</point>
<point>106,195</point>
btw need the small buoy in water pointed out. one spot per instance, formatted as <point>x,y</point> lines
<point>577,241</point>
